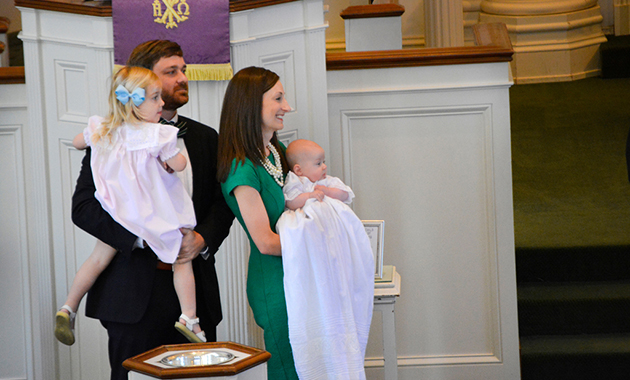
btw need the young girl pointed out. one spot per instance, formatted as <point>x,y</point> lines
<point>130,155</point>
<point>328,269</point>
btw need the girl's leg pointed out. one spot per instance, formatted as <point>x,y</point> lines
<point>184,281</point>
<point>83,281</point>
<point>100,258</point>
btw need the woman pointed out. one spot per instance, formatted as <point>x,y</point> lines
<point>251,169</point>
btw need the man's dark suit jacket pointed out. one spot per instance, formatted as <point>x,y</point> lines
<point>122,292</point>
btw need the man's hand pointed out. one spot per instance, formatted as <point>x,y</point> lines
<point>192,244</point>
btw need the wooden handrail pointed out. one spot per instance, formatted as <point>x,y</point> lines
<point>4,24</point>
<point>12,75</point>
<point>374,10</point>
<point>493,46</point>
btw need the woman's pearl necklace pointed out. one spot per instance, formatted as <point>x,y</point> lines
<point>274,170</point>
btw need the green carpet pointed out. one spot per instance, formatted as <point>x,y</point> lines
<point>570,178</point>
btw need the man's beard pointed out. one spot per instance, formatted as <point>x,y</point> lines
<point>172,102</point>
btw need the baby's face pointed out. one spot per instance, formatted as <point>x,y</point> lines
<point>314,164</point>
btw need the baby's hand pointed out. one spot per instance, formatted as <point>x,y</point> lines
<point>318,194</point>
<point>321,188</point>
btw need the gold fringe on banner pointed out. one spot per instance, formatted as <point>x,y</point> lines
<point>219,71</point>
<point>198,72</point>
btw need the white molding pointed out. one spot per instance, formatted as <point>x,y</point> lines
<point>13,106</point>
<point>287,136</point>
<point>66,96</point>
<point>438,360</point>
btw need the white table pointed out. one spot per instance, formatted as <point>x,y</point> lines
<point>385,294</point>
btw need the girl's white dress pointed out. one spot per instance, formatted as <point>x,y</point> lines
<point>133,187</point>
<point>328,283</point>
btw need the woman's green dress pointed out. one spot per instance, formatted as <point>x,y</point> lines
<point>265,289</point>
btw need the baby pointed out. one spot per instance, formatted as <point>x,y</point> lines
<point>308,178</point>
<point>328,269</point>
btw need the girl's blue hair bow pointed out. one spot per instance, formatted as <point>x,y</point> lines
<point>122,94</point>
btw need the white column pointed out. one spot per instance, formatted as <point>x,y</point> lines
<point>444,23</point>
<point>39,238</point>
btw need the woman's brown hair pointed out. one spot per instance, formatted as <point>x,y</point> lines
<point>240,129</point>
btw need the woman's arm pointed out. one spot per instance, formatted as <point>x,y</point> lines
<point>256,220</point>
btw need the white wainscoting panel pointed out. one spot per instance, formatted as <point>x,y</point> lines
<point>16,350</point>
<point>73,94</point>
<point>427,149</point>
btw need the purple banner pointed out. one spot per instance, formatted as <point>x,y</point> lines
<point>200,27</point>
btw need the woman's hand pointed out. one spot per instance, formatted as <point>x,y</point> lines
<point>256,220</point>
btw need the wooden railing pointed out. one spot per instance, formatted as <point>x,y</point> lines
<point>12,75</point>
<point>493,45</point>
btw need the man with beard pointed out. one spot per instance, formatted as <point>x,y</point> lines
<point>134,298</point>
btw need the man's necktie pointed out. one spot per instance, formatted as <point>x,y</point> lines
<point>181,125</point>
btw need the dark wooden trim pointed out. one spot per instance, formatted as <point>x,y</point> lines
<point>12,75</point>
<point>90,8</point>
<point>496,48</point>
<point>4,24</point>
<point>242,5</point>
<point>416,57</point>
<point>374,10</point>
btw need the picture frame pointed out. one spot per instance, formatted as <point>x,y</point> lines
<point>375,230</point>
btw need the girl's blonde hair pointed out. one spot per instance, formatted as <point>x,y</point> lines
<point>130,77</point>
